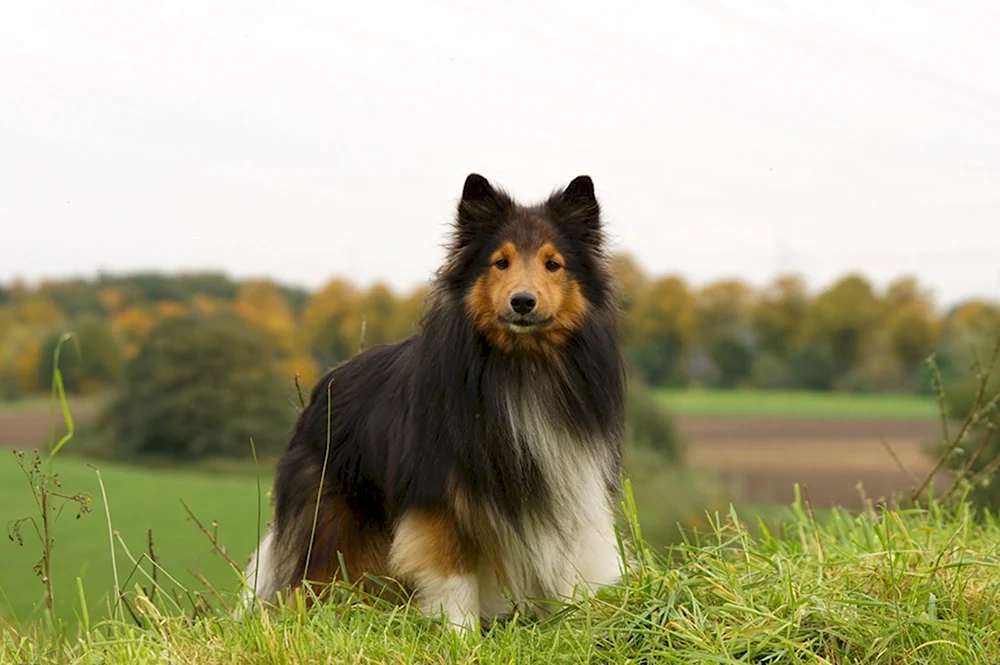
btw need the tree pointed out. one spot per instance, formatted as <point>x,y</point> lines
<point>378,310</point>
<point>732,358</point>
<point>132,326</point>
<point>261,306</point>
<point>631,279</point>
<point>813,367</point>
<point>88,362</point>
<point>912,324</point>
<point>778,318</point>
<point>331,322</point>
<point>722,309</point>
<point>663,328</point>
<point>843,317</point>
<point>202,386</point>
<point>409,310</point>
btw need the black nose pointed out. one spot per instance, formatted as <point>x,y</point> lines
<point>523,302</point>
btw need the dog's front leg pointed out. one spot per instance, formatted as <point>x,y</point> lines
<point>430,553</point>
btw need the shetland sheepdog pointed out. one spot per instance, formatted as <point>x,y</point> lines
<point>476,462</point>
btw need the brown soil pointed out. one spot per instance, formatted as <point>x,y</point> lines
<point>761,458</point>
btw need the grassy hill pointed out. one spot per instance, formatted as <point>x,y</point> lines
<point>880,589</point>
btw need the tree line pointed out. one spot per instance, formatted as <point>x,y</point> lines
<point>847,336</point>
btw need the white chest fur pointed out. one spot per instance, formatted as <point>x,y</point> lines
<point>572,543</point>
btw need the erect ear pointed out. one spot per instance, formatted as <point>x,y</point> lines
<point>580,191</point>
<point>481,204</point>
<point>477,188</point>
<point>577,209</point>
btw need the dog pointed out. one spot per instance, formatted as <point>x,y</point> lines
<point>476,462</point>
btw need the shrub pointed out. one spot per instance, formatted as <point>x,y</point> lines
<point>202,386</point>
<point>970,379</point>
<point>648,425</point>
<point>732,359</point>
<point>813,368</point>
<point>771,372</point>
<point>92,360</point>
<point>671,500</point>
<point>658,362</point>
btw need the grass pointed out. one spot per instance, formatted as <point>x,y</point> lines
<point>139,499</point>
<point>796,404</point>
<point>916,586</point>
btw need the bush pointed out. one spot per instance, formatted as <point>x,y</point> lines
<point>961,383</point>
<point>771,372</point>
<point>202,387</point>
<point>89,361</point>
<point>648,425</point>
<point>671,500</point>
<point>732,359</point>
<point>813,368</point>
<point>659,363</point>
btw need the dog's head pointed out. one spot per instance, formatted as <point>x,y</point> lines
<point>528,276</point>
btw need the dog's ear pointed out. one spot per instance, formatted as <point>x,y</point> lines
<point>580,191</point>
<point>477,188</point>
<point>482,207</point>
<point>577,211</point>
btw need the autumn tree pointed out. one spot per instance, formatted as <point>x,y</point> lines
<point>331,322</point>
<point>408,312</point>
<point>912,325</point>
<point>722,309</point>
<point>89,360</point>
<point>261,306</point>
<point>632,282</point>
<point>843,317</point>
<point>778,317</point>
<point>377,308</point>
<point>202,386</point>
<point>664,328</point>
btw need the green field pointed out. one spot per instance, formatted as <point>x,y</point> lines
<point>880,589</point>
<point>138,499</point>
<point>796,404</point>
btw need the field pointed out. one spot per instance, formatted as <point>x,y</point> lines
<point>797,404</point>
<point>827,446</point>
<point>138,499</point>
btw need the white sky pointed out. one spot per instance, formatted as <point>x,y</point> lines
<point>302,140</point>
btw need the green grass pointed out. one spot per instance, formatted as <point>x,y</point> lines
<point>796,404</point>
<point>139,499</point>
<point>896,587</point>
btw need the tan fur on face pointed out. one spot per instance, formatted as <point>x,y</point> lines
<point>558,296</point>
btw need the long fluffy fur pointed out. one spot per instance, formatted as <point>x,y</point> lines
<point>467,471</point>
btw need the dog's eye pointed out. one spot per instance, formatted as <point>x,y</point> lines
<point>502,264</point>
<point>552,266</point>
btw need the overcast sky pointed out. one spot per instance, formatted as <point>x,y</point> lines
<point>302,140</point>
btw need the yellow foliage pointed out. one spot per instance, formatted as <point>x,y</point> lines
<point>26,361</point>
<point>666,310</point>
<point>111,298</point>
<point>723,308</point>
<point>261,306</point>
<point>331,322</point>
<point>206,304</point>
<point>132,325</point>
<point>306,369</point>
<point>170,308</point>
<point>38,312</point>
